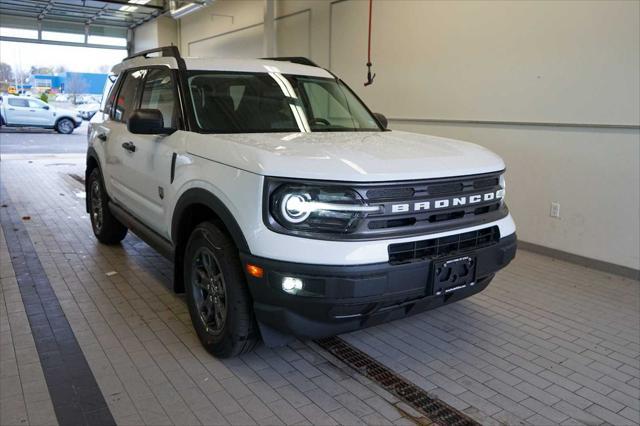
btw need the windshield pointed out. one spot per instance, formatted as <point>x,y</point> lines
<point>226,102</point>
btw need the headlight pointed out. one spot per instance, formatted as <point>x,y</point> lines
<point>317,209</point>
<point>503,187</point>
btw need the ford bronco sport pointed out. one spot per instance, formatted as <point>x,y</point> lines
<point>287,207</point>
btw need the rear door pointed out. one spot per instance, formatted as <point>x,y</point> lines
<point>17,111</point>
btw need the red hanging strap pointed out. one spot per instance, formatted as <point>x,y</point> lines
<point>370,77</point>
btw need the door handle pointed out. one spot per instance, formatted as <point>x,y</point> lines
<point>12,109</point>
<point>32,110</point>
<point>129,146</point>
<point>102,137</point>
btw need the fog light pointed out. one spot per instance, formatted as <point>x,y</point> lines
<point>291,285</point>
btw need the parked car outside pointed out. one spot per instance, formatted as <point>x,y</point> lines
<point>88,110</point>
<point>26,111</point>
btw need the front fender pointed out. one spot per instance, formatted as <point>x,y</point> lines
<point>202,196</point>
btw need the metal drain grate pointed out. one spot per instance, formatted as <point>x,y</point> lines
<point>435,410</point>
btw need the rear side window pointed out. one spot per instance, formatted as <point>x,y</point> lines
<point>22,103</point>
<point>125,102</point>
<point>159,94</point>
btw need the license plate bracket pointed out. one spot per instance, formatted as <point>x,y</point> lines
<point>453,274</point>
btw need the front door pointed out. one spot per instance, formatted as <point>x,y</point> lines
<point>41,113</point>
<point>150,165</point>
<point>118,174</point>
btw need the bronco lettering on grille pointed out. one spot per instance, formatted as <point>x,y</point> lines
<point>443,203</point>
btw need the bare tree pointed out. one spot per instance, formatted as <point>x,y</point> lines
<point>74,86</point>
<point>41,70</point>
<point>6,73</point>
<point>20,76</point>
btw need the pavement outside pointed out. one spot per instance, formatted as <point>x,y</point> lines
<point>42,141</point>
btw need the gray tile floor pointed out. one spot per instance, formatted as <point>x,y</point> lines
<point>547,343</point>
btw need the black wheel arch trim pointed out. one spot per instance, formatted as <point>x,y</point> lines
<point>202,196</point>
<point>91,154</point>
<point>189,198</point>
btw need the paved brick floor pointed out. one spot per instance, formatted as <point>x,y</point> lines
<point>547,343</point>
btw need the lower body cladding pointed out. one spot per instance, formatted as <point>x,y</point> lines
<point>314,301</point>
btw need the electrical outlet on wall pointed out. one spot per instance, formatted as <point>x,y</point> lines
<point>555,209</point>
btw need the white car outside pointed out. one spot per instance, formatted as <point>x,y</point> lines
<point>25,111</point>
<point>88,110</point>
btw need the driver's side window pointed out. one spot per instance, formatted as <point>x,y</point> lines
<point>127,96</point>
<point>159,93</point>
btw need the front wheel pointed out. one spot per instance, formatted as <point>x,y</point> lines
<point>106,228</point>
<point>217,293</point>
<point>65,126</point>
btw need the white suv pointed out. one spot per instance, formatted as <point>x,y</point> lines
<point>287,206</point>
<point>24,111</point>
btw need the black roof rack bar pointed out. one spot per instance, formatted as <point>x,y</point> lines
<point>295,59</point>
<point>165,51</point>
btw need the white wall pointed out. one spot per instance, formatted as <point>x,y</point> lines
<point>162,31</point>
<point>526,61</point>
<point>227,28</point>
<point>235,29</point>
<point>502,66</point>
<point>145,37</point>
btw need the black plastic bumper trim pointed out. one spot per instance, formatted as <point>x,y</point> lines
<point>338,299</point>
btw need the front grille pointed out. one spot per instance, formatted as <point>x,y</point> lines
<point>411,220</point>
<point>443,246</point>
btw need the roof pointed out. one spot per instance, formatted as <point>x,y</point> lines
<point>31,98</point>
<point>219,64</point>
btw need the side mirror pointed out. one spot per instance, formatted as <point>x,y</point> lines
<point>46,107</point>
<point>147,122</point>
<point>381,119</point>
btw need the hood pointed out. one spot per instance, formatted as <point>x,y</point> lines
<point>347,156</point>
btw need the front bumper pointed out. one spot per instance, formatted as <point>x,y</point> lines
<point>339,299</point>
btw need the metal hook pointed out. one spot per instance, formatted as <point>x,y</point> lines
<point>369,76</point>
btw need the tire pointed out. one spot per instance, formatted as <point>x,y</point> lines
<point>65,126</point>
<point>217,293</point>
<point>106,228</point>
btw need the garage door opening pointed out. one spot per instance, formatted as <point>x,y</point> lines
<point>49,92</point>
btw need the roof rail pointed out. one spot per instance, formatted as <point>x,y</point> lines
<point>295,59</point>
<point>165,51</point>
